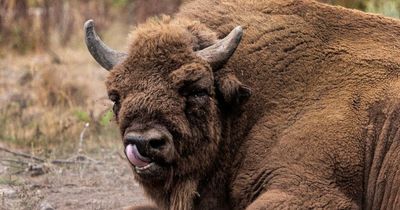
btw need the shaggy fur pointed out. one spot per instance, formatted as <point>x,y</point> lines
<point>320,130</point>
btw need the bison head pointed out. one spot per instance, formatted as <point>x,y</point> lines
<point>169,101</point>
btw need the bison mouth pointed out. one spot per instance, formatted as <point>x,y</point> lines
<point>150,151</point>
<point>136,159</point>
<point>147,169</point>
<point>145,165</point>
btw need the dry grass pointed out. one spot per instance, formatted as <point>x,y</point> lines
<point>44,103</point>
<point>45,100</point>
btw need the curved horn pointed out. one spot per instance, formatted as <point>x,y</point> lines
<point>104,55</point>
<point>219,53</point>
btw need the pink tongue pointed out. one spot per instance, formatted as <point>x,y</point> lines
<point>135,157</point>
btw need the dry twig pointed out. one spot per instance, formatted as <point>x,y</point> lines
<point>76,159</point>
<point>21,154</point>
<point>81,138</point>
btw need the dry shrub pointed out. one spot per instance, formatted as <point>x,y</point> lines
<point>47,105</point>
<point>53,91</point>
<point>27,25</point>
<point>14,18</point>
<point>389,8</point>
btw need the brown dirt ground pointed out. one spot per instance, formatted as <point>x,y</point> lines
<point>106,185</point>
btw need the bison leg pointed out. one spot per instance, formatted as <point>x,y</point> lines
<point>385,194</point>
<point>382,173</point>
<point>278,199</point>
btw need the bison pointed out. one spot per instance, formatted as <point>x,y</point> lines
<point>247,104</point>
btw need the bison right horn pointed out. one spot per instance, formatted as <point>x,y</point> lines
<point>220,52</point>
<point>104,55</point>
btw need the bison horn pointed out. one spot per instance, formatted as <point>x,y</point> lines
<point>104,55</point>
<point>220,52</point>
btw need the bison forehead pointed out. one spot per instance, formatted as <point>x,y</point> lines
<point>160,41</point>
<point>154,53</point>
<point>168,69</point>
<point>131,83</point>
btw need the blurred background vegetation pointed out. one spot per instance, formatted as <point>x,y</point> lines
<point>50,87</point>
<point>389,8</point>
<point>27,25</point>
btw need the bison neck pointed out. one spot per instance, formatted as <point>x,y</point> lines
<point>179,195</point>
<point>214,189</point>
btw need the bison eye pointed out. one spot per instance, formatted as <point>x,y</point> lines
<point>197,97</point>
<point>116,108</point>
<point>199,93</point>
<point>115,98</point>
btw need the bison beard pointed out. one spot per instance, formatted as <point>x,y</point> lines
<point>320,129</point>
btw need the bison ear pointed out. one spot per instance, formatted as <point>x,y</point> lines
<point>232,91</point>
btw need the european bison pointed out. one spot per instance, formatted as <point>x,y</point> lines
<point>320,130</point>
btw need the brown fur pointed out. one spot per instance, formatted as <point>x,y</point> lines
<point>320,129</point>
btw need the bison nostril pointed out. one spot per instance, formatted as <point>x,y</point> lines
<point>157,143</point>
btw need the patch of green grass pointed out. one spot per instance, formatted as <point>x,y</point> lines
<point>82,116</point>
<point>120,3</point>
<point>106,118</point>
<point>10,180</point>
<point>390,8</point>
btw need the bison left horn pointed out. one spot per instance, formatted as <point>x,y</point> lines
<point>104,55</point>
<point>220,52</point>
